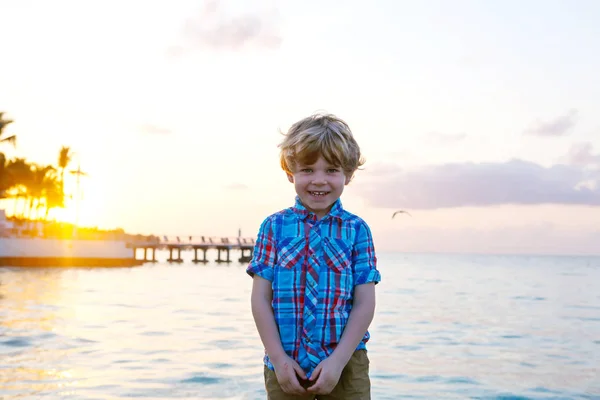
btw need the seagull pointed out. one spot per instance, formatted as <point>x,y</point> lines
<point>400,211</point>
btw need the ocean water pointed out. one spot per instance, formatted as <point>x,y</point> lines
<point>446,327</point>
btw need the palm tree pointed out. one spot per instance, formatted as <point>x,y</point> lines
<point>3,124</point>
<point>43,178</point>
<point>20,176</point>
<point>4,181</point>
<point>54,196</point>
<point>64,158</point>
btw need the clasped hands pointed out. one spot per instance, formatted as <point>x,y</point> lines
<point>324,378</point>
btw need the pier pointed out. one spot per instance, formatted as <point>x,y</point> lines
<point>200,245</point>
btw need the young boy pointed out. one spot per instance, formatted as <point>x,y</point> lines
<point>314,272</point>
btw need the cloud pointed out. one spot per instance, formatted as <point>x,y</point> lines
<point>446,138</point>
<point>538,238</point>
<point>581,154</point>
<point>478,184</point>
<point>155,130</point>
<point>215,28</point>
<point>559,126</point>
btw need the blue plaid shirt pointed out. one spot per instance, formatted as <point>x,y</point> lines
<point>313,266</point>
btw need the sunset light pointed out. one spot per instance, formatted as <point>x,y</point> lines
<point>185,211</point>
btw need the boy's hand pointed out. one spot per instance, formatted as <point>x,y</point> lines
<point>286,369</point>
<point>327,375</point>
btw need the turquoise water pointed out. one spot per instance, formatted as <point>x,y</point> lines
<point>447,326</point>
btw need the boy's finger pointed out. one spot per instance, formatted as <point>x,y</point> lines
<point>316,373</point>
<point>315,388</point>
<point>297,389</point>
<point>318,385</point>
<point>295,385</point>
<point>299,370</point>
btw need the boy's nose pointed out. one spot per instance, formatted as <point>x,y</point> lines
<point>319,180</point>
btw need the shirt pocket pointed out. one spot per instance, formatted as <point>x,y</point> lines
<point>290,252</point>
<point>337,254</point>
<point>288,275</point>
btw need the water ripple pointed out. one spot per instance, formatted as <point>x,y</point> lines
<point>466,327</point>
<point>203,379</point>
<point>155,333</point>
<point>16,342</point>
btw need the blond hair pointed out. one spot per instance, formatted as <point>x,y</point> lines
<point>320,135</point>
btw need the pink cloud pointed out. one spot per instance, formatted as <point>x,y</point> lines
<point>213,27</point>
<point>540,238</point>
<point>478,184</point>
<point>559,126</point>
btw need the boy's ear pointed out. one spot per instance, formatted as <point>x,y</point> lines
<point>290,177</point>
<point>348,179</point>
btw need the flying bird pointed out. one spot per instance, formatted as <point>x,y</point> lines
<point>399,212</point>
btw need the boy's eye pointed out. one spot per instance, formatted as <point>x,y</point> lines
<point>333,170</point>
<point>306,170</point>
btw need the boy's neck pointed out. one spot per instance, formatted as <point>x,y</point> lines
<point>318,218</point>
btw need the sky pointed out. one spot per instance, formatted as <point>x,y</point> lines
<point>480,118</point>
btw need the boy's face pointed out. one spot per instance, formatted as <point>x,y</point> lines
<point>318,185</point>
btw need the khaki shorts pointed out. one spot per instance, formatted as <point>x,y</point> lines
<point>354,383</point>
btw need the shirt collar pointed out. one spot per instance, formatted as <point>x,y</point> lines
<point>301,211</point>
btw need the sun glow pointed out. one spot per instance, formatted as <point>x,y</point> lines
<point>87,211</point>
<point>67,214</point>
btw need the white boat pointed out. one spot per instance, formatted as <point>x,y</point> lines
<point>35,250</point>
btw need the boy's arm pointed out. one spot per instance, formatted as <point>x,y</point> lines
<point>359,320</point>
<point>261,269</point>
<point>262,295</point>
<point>328,372</point>
<point>366,276</point>
<point>286,368</point>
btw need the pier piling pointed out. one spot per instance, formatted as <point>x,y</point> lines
<point>203,243</point>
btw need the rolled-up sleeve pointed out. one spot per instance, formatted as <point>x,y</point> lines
<point>263,257</point>
<point>364,260</point>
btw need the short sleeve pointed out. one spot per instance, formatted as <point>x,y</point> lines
<point>263,257</point>
<point>364,260</point>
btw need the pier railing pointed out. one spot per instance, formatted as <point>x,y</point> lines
<point>177,244</point>
<point>206,241</point>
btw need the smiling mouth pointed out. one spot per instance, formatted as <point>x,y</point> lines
<point>318,194</point>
